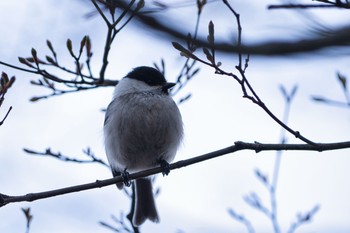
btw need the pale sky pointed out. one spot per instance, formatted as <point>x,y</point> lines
<point>195,198</point>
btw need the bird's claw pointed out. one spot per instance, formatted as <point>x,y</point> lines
<point>126,178</point>
<point>165,167</point>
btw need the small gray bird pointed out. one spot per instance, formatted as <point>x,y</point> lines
<point>143,128</point>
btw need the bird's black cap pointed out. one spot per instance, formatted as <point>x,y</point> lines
<point>149,75</point>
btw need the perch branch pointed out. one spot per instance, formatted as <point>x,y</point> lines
<point>257,147</point>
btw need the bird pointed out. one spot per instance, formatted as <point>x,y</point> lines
<point>143,129</point>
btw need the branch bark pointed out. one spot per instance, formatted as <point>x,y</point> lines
<point>238,146</point>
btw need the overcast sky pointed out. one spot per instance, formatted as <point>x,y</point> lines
<point>195,198</point>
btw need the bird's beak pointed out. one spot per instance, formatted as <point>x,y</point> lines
<point>168,86</point>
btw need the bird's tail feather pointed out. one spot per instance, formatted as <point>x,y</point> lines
<point>145,206</point>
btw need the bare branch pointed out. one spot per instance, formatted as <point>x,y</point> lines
<point>189,68</point>
<point>300,6</point>
<point>112,31</point>
<point>242,219</point>
<point>5,84</point>
<point>79,82</point>
<point>257,147</point>
<point>101,13</point>
<point>342,79</point>
<point>120,221</point>
<point>247,89</point>
<point>58,155</point>
<point>336,103</point>
<point>303,218</point>
<point>7,113</point>
<point>29,218</point>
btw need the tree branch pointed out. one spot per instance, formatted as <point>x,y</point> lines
<point>5,84</point>
<point>257,147</point>
<point>242,219</point>
<point>6,115</point>
<point>58,155</point>
<point>247,89</point>
<point>303,218</point>
<point>302,6</point>
<point>340,37</point>
<point>50,80</point>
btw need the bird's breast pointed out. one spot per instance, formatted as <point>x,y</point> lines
<point>143,129</point>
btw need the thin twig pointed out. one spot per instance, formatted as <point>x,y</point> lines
<point>239,32</point>
<point>303,218</point>
<point>122,15</point>
<point>242,219</point>
<point>336,103</point>
<point>8,112</point>
<point>29,218</point>
<point>299,6</point>
<point>186,68</point>
<point>243,81</point>
<point>101,13</point>
<point>120,221</point>
<point>58,155</point>
<point>111,33</point>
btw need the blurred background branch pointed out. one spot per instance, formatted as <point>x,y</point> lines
<point>29,218</point>
<point>342,4</point>
<point>340,37</point>
<point>254,200</point>
<point>342,79</point>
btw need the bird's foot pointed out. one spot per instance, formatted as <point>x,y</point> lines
<point>126,178</point>
<point>165,167</point>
